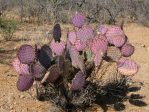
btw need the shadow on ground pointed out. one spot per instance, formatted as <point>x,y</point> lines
<point>116,96</point>
<point>113,96</point>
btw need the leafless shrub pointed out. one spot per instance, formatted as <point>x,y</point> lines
<point>102,11</point>
<point>3,6</point>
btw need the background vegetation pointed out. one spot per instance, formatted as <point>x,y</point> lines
<point>51,11</point>
<point>103,11</point>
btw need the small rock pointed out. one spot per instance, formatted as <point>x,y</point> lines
<point>14,48</point>
<point>22,96</point>
<point>11,107</point>
<point>142,45</point>
<point>11,98</point>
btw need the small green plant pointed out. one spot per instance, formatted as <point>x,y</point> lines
<point>7,28</point>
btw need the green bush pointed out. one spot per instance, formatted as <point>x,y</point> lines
<point>7,28</point>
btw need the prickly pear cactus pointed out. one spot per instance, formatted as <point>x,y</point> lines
<point>73,74</point>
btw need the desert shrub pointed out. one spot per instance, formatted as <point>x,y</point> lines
<point>7,28</point>
<point>103,11</point>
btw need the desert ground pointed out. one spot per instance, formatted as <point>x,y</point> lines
<point>11,100</point>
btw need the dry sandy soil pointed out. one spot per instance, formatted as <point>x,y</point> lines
<point>11,100</point>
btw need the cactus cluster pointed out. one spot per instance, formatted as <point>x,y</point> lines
<point>69,65</point>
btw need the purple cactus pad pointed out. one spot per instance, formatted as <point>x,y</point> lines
<point>116,36</point>
<point>57,47</point>
<point>24,82</point>
<point>77,60</point>
<point>78,81</point>
<point>103,37</point>
<point>98,44</point>
<point>127,67</point>
<point>102,29</point>
<point>127,50</point>
<point>79,45</point>
<point>54,73</point>
<point>38,70</point>
<point>26,54</point>
<point>19,67</point>
<point>98,59</point>
<point>45,56</point>
<point>78,19</point>
<point>114,30</point>
<point>85,33</point>
<point>72,37</point>
<point>57,32</point>
<point>119,40</point>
